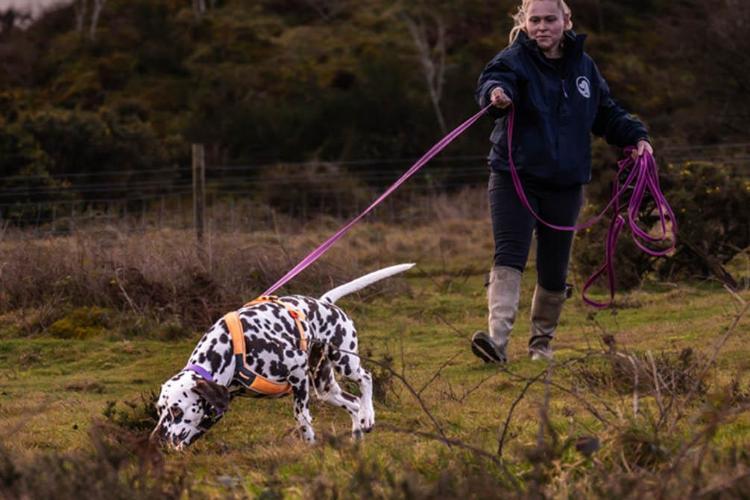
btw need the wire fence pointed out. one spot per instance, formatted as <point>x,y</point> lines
<point>59,203</point>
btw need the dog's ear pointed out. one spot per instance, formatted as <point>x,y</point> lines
<point>216,395</point>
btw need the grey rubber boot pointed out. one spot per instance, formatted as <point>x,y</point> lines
<point>503,292</point>
<point>546,308</point>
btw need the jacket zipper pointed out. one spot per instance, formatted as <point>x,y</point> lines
<point>565,92</point>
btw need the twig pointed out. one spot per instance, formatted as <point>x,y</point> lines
<point>458,332</point>
<point>722,417</point>
<point>518,399</point>
<point>122,289</point>
<point>635,384</point>
<point>406,384</point>
<point>734,294</point>
<point>481,382</point>
<point>591,409</point>
<point>711,361</point>
<point>718,488</point>
<point>437,373</point>
<point>657,386</point>
<point>459,444</point>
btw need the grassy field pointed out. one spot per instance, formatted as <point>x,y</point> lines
<point>649,398</point>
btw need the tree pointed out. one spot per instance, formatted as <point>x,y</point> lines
<point>431,55</point>
<point>81,9</point>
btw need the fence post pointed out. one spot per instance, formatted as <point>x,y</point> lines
<point>199,196</point>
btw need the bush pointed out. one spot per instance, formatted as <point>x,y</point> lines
<point>82,323</point>
<point>120,465</point>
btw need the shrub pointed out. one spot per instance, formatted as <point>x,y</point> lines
<point>120,465</point>
<point>82,323</point>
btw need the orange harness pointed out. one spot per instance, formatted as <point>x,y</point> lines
<point>243,375</point>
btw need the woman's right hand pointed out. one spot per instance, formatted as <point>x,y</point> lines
<point>499,99</point>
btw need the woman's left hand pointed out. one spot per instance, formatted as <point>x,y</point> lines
<point>642,147</point>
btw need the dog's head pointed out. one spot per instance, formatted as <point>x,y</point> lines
<point>188,406</point>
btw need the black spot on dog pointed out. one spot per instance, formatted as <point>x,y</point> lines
<point>338,335</point>
<point>215,359</point>
<point>259,364</point>
<point>224,338</point>
<point>301,394</point>
<point>278,369</point>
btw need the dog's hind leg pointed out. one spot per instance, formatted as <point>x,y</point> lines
<point>301,393</point>
<point>329,391</point>
<point>350,367</point>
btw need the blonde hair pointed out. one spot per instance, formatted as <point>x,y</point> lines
<point>519,18</point>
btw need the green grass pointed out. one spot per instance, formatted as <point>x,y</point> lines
<point>51,389</point>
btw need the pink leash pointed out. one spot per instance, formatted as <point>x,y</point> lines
<point>315,254</point>
<point>643,177</point>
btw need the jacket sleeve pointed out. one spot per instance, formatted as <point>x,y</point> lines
<point>614,123</point>
<point>497,73</point>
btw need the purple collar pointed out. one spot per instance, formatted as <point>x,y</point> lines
<point>200,371</point>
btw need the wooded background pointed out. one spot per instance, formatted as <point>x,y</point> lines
<point>101,99</point>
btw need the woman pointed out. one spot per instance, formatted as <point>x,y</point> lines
<point>559,98</point>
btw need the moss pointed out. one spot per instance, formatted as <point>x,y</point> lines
<point>82,323</point>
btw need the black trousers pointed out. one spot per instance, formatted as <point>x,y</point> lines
<point>513,224</point>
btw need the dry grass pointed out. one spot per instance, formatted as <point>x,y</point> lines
<point>648,400</point>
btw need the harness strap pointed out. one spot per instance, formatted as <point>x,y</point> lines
<point>296,314</point>
<point>243,374</point>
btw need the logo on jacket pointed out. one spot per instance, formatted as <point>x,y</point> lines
<point>584,86</point>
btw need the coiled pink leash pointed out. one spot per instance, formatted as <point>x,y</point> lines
<point>643,178</point>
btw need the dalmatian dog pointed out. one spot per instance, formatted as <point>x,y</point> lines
<point>197,397</point>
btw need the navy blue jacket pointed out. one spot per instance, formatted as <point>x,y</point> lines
<point>556,111</point>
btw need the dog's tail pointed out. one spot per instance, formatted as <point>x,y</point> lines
<point>366,280</point>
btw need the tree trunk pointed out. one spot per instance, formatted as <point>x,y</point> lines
<point>98,6</point>
<point>80,7</point>
<point>432,60</point>
<point>199,8</point>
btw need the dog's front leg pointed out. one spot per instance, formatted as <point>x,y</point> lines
<point>329,391</point>
<point>301,392</point>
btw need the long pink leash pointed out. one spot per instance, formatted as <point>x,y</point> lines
<point>643,176</point>
<point>315,254</point>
